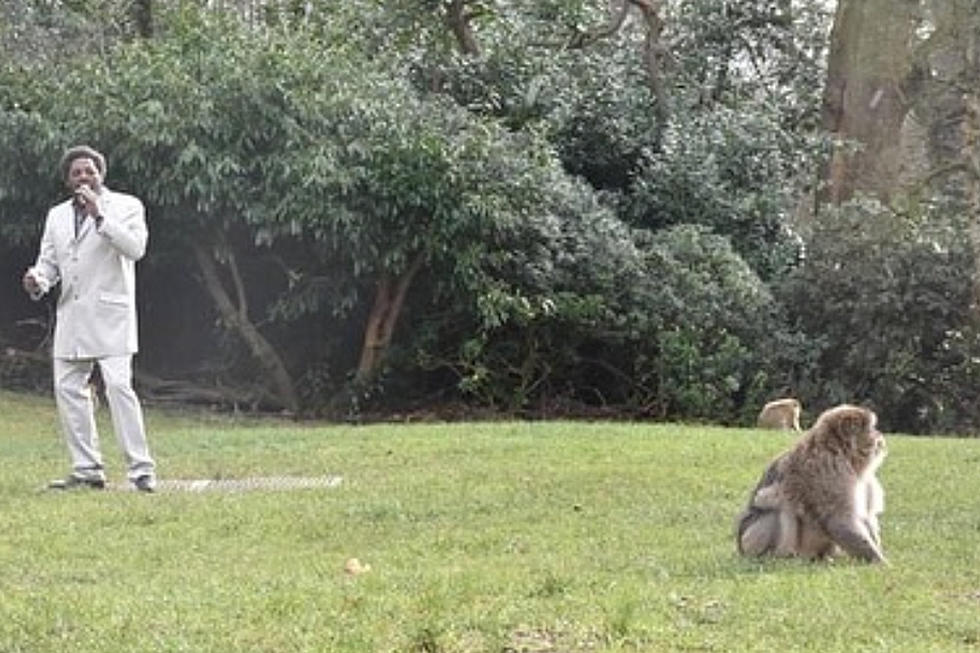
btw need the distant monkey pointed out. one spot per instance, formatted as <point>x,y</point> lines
<point>780,414</point>
<point>822,496</point>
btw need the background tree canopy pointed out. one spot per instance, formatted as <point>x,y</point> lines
<point>664,209</point>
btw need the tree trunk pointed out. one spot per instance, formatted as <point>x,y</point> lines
<point>458,19</point>
<point>142,12</point>
<point>869,65</point>
<point>973,199</point>
<point>654,56</point>
<point>951,110</point>
<point>389,298</point>
<point>237,319</point>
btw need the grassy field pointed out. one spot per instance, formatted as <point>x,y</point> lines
<point>501,537</point>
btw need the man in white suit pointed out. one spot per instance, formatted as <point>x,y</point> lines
<point>90,246</point>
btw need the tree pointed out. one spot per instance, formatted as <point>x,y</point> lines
<point>871,73</point>
<point>943,133</point>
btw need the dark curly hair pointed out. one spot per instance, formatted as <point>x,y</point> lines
<point>81,152</point>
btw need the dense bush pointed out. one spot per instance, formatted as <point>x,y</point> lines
<point>713,353</point>
<point>885,300</point>
<point>669,324</point>
<point>721,169</point>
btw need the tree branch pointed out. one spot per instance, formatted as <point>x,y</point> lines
<point>581,40</point>
<point>263,351</point>
<point>458,20</point>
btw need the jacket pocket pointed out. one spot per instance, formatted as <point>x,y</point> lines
<point>119,299</point>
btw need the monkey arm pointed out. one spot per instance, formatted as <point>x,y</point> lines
<point>875,505</point>
<point>875,496</point>
<point>852,535</point>
<point>874,529</point>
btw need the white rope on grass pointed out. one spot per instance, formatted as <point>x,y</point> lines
<point>237,484</point>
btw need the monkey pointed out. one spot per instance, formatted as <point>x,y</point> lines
<point>821,497</point>
<point>822,494</point>
<point>780,414</point>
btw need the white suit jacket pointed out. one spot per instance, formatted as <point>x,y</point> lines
<point>96,314</point>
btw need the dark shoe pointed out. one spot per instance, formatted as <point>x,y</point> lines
<point>145,483</point>
<point>74,482</point>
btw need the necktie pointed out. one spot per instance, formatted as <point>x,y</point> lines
<point>79,218</point>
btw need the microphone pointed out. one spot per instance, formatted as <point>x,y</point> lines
<point>80,200</point>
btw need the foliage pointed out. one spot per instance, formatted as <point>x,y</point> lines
<point>750,52</point>
<point>591,102</point>
<point>717,169</point>
<point>554,281</point>
<point>25,139</point>
<point>885,298</point>
<point>740,136</point>
<point>676,324</point>
<point>741,141</point>
<point>712,351</point>
<point>57,30</point>
<point>340,168</point>
<point>578,238</point>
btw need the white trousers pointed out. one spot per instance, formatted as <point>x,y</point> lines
<point>77,413</point>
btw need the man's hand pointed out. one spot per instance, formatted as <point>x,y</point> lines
<point>30,283</point>
<point>86,198</point>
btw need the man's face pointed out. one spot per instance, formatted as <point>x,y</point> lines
<point>84,171</point>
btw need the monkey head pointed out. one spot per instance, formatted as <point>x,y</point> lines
<point>851,431</point>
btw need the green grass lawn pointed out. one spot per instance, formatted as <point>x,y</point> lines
<point>505,537</point>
